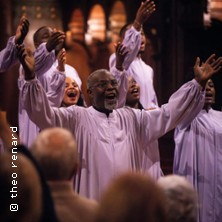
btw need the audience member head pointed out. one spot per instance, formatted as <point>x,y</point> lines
<point>133,94</point>
<point>102,89</point>
<point>42,35</point>
<point>181,199</point>
<point>132,197</point>
<point>143,37</point>
<point>19,186</point>
<point>55,150</point>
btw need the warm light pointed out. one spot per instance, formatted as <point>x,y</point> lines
<point>96,24</point>
<point>76,25</point>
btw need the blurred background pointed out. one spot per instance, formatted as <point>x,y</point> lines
<point>178,32</point>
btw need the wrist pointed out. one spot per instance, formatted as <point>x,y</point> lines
<point>120,68</point>
<point>61,68</point>
<point>30,76</point>
<point>137,25</point>
<point>48,48</point>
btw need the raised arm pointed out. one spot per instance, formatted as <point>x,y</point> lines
<point>45,53</point>
<point>8,55</point>
<point>120,74</point>
<point>36,102</point>
<point>183,105</point>
<point>56,90</point>
<point>131,34</point>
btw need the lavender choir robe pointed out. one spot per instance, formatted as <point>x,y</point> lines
<point>198,157</point>
<point>8,56</point>
<point>110,145</point>
<point>135,67</point>
<point>53,83</point>
<point>151,157</point>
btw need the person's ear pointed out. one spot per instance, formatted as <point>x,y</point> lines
<point>89,92</point>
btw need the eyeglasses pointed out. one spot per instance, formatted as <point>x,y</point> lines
<point>103,84</point>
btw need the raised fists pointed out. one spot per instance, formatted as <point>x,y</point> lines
<point>145,10</point>
<point>120,56</point>
<point>61,57</point>
<point>21,30</point>
<point>27,60</point>
<point>207,69</point>
<point>57,38</point>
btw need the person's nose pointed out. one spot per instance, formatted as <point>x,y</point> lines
<point>109,85</point>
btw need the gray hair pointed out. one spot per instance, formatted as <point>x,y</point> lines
<point>55,150</point>
<point>93,75</point>
<point>181,198</point>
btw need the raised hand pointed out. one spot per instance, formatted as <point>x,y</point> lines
<point>61,60</point>
<point>21,30</point>
<point>27,60</point>
<point>207,69</point>
<point>145,10</point>
<point>57,38</point>
<point>120,55</point>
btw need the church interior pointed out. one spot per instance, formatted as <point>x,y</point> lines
<point>178,32</point>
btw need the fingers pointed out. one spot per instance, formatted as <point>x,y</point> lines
<point>148,8</point>
<point>58,37</point>
<point>25,27</point>
<point>217,63</point>
<point>197,62</point>
<point>20,50</point>
<point>121,49</point>
<point>55,39</point>
<point>210,58</point>
<point>61,55</point>
<point>217,69</point>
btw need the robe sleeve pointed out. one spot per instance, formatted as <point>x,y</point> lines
<point>41,113</point>
<point>123,84</point>
<point>55,82</point>
<point>8,56</point>
<point>183,106</point>
<point>43,59</point>
<point>132,42</point>
<point>56,90</point>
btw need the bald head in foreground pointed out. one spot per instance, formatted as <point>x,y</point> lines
<point>55,150</point>
<point>181,198</point>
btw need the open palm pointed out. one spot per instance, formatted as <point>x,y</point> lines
<point>205,71</point>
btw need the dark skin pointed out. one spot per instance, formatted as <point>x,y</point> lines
<point>133,94</point>
<point>210,95</point>
<point>21,30</point>
<point>54,39</point>
<point>98,93</point>
<point>145,10</point>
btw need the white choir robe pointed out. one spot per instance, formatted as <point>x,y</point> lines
<point>198,157</point>
<point>111,145</point>
<point>135,67</point>
<point>8,55</point>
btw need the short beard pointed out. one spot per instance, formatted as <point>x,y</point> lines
<point>110,106</point>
